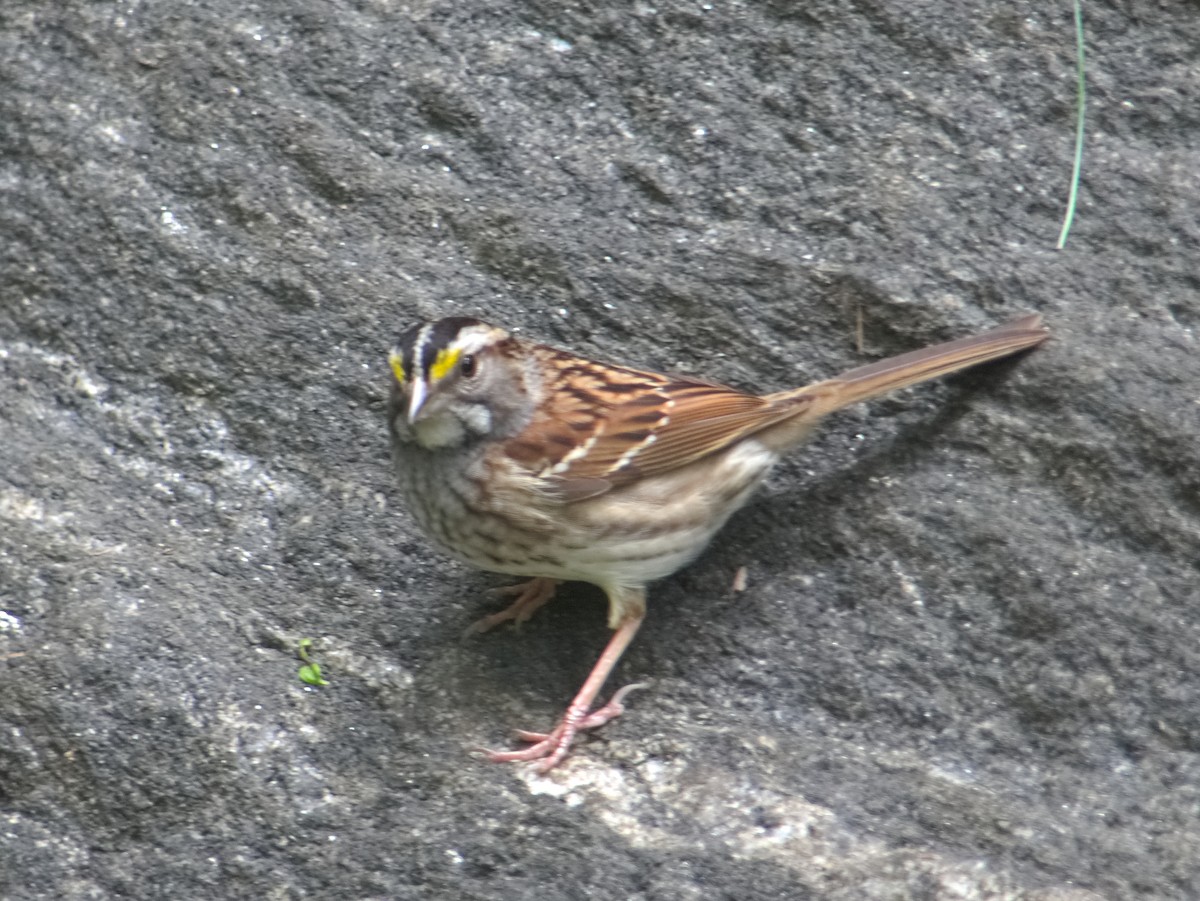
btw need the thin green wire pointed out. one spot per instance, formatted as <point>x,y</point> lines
<point>1081,106</point>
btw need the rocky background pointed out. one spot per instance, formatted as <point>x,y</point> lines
<point>967,662</point>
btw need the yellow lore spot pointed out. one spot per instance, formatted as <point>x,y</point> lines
<point>397,366</point>
<point>445,360</point>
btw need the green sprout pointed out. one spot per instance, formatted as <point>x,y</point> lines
<point>310,673</point>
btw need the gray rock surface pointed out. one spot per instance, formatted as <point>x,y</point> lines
<point>967,664</point>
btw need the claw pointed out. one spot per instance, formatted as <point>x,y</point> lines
<point>549,748</point>
<point>530,596</point>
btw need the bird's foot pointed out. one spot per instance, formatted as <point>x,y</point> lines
<point>530,596</point>
<point>549,748</point>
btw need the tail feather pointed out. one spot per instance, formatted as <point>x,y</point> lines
<point>878,378</point>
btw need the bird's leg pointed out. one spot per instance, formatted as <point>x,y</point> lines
<point>550,748</point>
<point>530,596</point>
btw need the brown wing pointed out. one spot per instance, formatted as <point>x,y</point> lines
<point>605,426</point>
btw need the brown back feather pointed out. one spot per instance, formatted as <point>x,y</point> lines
<point>606,426</point>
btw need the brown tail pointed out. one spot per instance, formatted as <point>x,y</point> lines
<point>887,375</point>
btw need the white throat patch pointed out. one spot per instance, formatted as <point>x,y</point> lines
<point>446,429</point>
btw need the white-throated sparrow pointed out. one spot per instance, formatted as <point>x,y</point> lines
<point>519,458</point>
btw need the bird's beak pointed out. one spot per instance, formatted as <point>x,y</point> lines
<point>416,400</point>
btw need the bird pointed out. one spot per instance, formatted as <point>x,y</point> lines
<point>520,458</point>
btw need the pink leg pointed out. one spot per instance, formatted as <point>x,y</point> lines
<point>530,595</point>
<point>550,748</point>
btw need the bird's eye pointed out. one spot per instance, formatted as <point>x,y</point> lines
<point>468,366</point>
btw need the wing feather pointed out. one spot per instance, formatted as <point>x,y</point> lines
<point>601,427</point>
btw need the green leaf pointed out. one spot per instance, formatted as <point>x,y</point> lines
<point>311,674</point>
